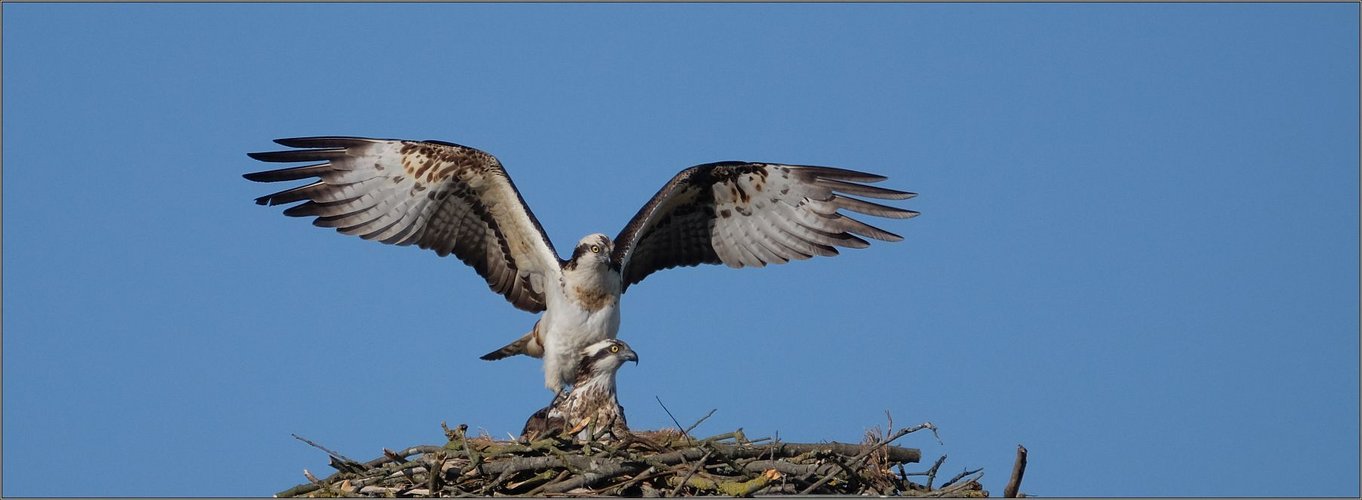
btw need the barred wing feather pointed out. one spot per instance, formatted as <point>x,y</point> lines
<point>439,196</point>
<point>751,214</point>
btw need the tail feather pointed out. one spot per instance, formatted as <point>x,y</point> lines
<point>511,349</point>
<point>527,344</point>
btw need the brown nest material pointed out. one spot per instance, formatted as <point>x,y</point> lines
<point>645,464</point>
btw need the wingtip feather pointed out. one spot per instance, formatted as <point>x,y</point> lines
<point>841,173</point>
<point>323,141</point>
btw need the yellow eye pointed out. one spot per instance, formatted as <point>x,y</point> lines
<point>614,348</point>
<point>596,249</point>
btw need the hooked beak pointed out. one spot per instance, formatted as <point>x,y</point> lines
<point>630,355</point>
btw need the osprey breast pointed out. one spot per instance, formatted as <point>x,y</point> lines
<point>593,298</point>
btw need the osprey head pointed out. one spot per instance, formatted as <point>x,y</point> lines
<point>593,250</point>
<point>607,356</point>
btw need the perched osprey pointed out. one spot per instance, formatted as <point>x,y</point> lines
<point>455,199</point>
<point>590,409</point>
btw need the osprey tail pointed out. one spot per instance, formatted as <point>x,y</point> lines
<point>527,344</point>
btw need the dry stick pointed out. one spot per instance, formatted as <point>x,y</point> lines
<point>669,414</point>
<point>645,474</point>
<point>437,471</point>
<point>737,437</point>
<point>392,455</point>
<point>701,421</point>
<point>380,490</point>
<point>589,478</point>
<point>699,465</point>
<point>896,453</point>
<point>298,490</point>
<point>1018,470</point>
<point>783,467</point>
<point>540,488</point>
<point>931,473</point>
<point>868,451</point>
<point>474,458</point>
<point>708,444</point>
<point>957,477</point>
<point>953,489</point>
<point>335,456</point>
<point>501,478</point>
<point>852,476</point>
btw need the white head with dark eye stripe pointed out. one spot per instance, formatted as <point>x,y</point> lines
<point>593,251</point>
<point>602,359</point>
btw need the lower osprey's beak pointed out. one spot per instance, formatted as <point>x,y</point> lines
<point>631,356</point>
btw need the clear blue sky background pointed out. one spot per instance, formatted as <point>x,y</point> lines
<point>1137,255</point>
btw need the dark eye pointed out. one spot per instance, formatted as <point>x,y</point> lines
<point>614,348</point>
<point>595,249</point>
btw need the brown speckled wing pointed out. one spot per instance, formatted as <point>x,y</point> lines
<point>440,196</point>
<point>751,214</point>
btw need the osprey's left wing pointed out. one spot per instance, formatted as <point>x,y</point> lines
<point>752,214</point>
<point>441,196</point>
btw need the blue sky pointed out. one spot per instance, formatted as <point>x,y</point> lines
<point>1137,254</point>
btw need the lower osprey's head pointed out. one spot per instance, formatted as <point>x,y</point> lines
<point>593,251</point>
<point>605,357</point>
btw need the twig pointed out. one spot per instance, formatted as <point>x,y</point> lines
<point>931,473</point>
<point>301,489</point>
<point>588,478</point>
<point>437,470</point>
<point>673,417</point>
<point>851,474</point>
<point>698,422</point>
<point>727,460</point>
<point>735,435</point>
<point>346,461</point>
<point>538,489</point>
<point>380,490</point>
<point>641,476</point>
<point>392,455</point>
<point>956,489</point>
<point>474,458</point>
<point>1018,470</point>
<point>698,465</point>
<point>957,477</point>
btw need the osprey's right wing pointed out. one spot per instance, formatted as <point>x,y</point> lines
<point>441,196</point>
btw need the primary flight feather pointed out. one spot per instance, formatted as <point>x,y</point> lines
<point>458,200</point>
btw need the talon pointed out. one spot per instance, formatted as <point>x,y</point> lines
<point>578,428</point>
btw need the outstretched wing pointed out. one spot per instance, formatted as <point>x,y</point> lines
<point>751,214</point>
<point>441,196</point>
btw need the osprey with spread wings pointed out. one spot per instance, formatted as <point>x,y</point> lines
<point>458,200</point>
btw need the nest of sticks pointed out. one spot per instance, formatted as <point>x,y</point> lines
<point>661,463</point>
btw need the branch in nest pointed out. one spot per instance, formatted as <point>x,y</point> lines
<point>1018,470</point>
